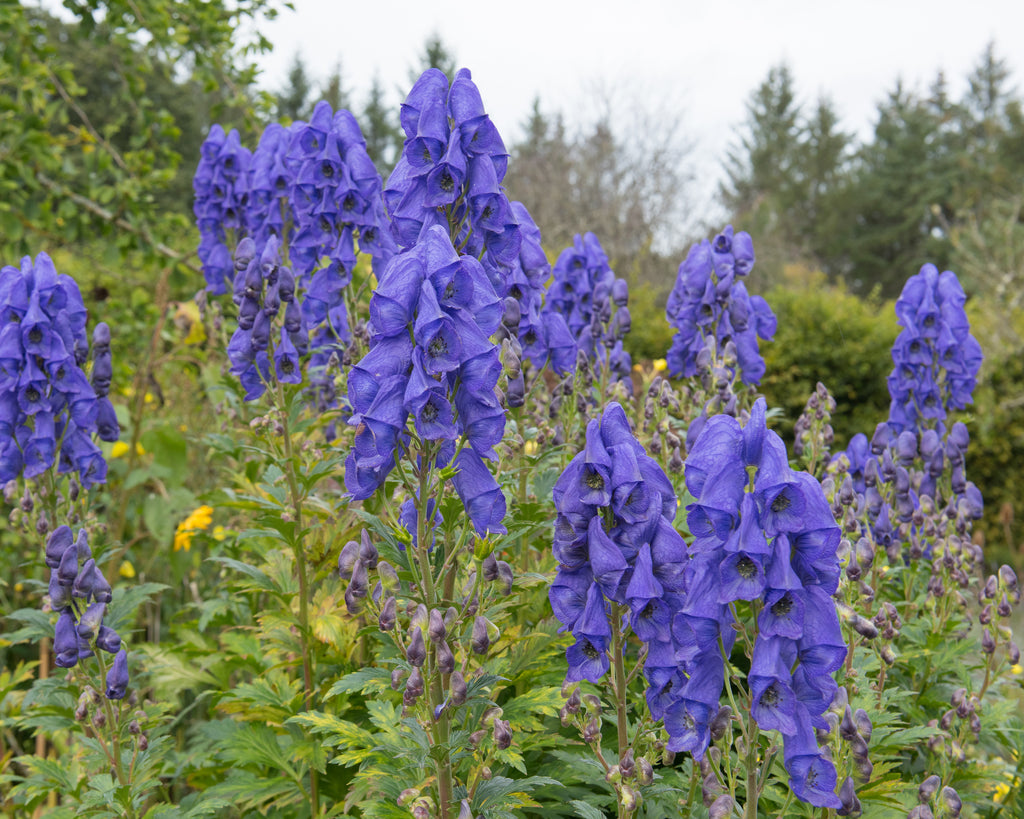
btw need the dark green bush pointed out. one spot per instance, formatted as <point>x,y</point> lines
<point>827,334</point>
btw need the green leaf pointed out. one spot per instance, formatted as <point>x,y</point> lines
<point>365,680</point>
<point>586,811</point>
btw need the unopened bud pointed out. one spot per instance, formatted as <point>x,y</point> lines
<point>644,772</point>
<point>502,734</point>
<point>445,658</point>
<point>722,807</point>
<point>457,686</point>
<point>480,640</point>
<point>720,723</point>
<point>388,614</point>
<point>928,788</point>
<point>416,651</point>
<point>436,630</point>
<point>952,800</point>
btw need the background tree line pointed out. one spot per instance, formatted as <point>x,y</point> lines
<point>103,112</point>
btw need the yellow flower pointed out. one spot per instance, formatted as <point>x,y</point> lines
<point>120,449</point>
<point>660,365</point>
<point>530,447</point>
<point>1016,669</point>
<point>199,520</point>
<point>219,533</point>
<point>127,570</point>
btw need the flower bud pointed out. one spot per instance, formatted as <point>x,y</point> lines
<point>367,551</point>
<point>397,678</point>
<point>505,575</point>
<point>465,811</point>
<point>445,658</point>
<point>477,737</point>
<point>592,730</point>
<point>722,807</point>
<point>720,723</point>
<point>457,687</point>
<point>921,812</point>
<point>952,800</point>
<point>644,772</point>
<point>436,630</point>
<point>502,734</point>
<point>927,789</point>
<point>414,685</point>
<point>108,640</point>
<point>347,559</point>
<point>416,651</point>
<point>864,768</point>
<point>480,641</point>
<point>848,796</point>
<point>388,614</point>
<point>627,764</point>
<point>863,723</point>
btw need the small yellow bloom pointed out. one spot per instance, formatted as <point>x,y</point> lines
<point>148,398</point>
<point>198,521</point>
<point>120,449</point>
<point>530,447</point>
<point>219,533</point>
<point>19,587</point>
<point>1017,669</point>
<point>660,365</point>
<point>127,570</point>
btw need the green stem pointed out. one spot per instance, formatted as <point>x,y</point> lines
<point>618,649</point>
<point>300,567</point>
<point>440,728</point>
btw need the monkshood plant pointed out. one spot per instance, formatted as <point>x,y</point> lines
<point>473,563</point>
<point>51,412</point>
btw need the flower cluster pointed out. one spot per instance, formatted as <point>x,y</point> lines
<point>271,179</point>
<point>888,480</point>
<point>593,301</point>
<point>336,201</point>
<point>765,534</point>
<point>80,592</point>
<point>221,186</point>
<point>544,336</point>
<point>430,358</point>
<point>710,299</point>
<point>262,285</point>
<point>935,357</point>
<point>617,551</point>
<point>47,404</point>
<point>198,520</point>
<point>450,174</point>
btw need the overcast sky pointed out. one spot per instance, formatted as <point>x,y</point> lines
<point>702,60</point>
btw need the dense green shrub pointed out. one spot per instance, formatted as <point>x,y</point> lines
<point>827,334</point>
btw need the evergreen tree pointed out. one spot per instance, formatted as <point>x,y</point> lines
<point>761,167</point>
<point>435,54</point>
<point>334,90</point>
<point>293,102</point>
<point>382,133</point>
<point>899,199</point>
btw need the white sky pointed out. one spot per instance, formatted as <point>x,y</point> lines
<point>701,60</point>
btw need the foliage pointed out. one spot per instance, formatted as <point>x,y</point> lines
<point>826,334</point>
<point>303,653</point>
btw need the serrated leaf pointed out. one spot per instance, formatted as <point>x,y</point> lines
<point>586,811</point>
<point>365,680</point>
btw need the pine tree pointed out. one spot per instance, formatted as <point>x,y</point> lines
<point>293,101</point>
<point>334,90</point>
<point>383,136</point>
